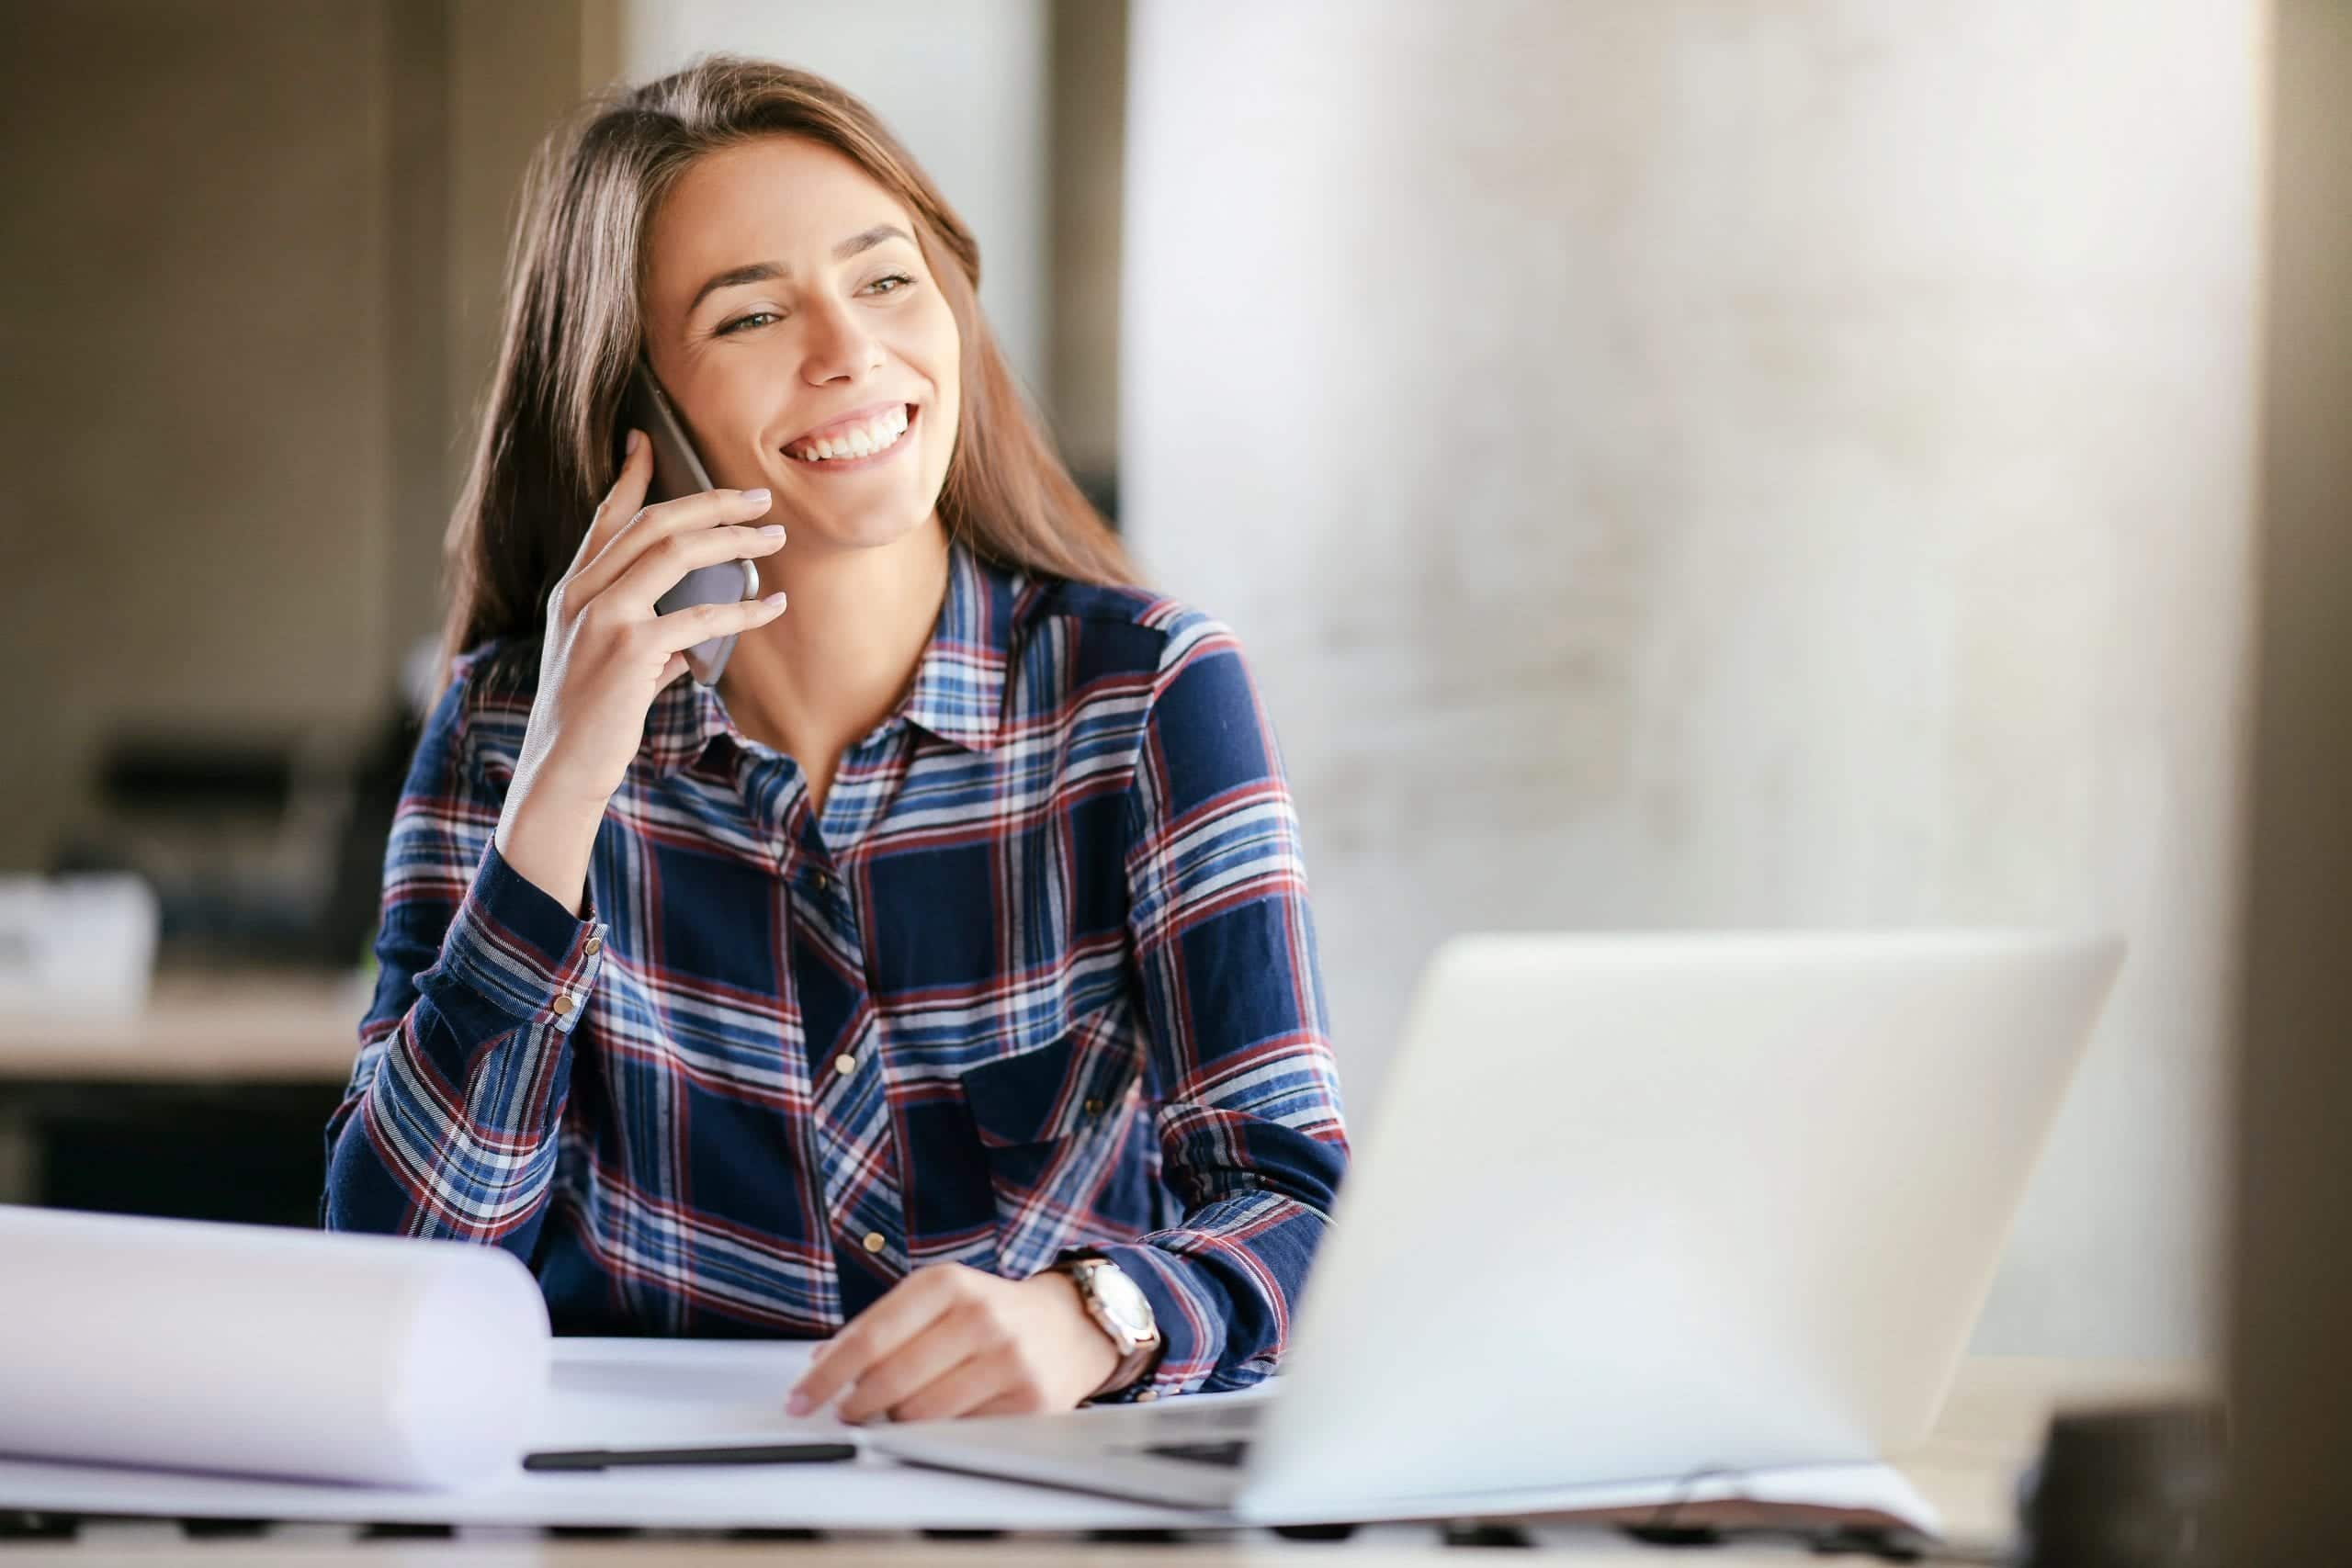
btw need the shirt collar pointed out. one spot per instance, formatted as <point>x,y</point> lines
<point>958,691</point>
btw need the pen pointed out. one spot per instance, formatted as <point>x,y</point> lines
<point>762,1453</point>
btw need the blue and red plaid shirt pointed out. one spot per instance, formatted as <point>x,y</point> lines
<point>1040,980</point>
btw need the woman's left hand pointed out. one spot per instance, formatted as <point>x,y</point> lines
<point>950,1340</point>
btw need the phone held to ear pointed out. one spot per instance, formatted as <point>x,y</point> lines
<point>677,471</point>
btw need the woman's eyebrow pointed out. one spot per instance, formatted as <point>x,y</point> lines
<point>760,272</point>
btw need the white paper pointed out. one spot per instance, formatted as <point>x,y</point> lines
<point>265,1350</point>
<point>632,1394</point>
<point>660,1392</point>
<point>648,1393</point>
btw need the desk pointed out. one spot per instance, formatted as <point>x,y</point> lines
<point>229,1077</point>
<point>1990,1427</point>
<point>233,1028</point>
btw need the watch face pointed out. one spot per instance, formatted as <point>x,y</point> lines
<point>1123,1300</point>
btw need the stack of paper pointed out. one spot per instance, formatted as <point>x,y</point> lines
<point>265,1351</point>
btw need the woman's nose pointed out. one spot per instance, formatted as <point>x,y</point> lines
<point>838,343</point>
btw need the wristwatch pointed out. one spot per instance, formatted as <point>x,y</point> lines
<point>1121,1310</point>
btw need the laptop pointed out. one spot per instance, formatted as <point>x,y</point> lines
<point>1631,1207</point>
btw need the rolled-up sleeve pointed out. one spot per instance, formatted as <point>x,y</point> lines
<point>447,1126</point>
<point>1251,1132</point>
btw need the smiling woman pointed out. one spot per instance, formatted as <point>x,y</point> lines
<point>944,980</point>
<point>670,221</point>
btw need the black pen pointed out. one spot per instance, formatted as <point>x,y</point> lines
<point>761,1453</point>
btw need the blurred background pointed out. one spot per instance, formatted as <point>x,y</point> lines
<point>1672,463</point>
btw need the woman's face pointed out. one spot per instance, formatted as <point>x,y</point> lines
<point>789,301</point>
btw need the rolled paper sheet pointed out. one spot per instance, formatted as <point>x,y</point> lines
<point>264,1350</point>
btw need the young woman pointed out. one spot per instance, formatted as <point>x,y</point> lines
<point>942,981</point>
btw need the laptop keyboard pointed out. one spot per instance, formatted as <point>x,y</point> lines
<point>1229,1453</point>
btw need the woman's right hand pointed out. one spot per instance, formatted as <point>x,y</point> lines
<point>607,654</point>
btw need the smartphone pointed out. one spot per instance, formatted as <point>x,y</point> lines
<point>678,472</point>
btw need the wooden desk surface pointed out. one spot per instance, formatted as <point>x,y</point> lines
<point>1989,1429</point>
<point>231,1028</point>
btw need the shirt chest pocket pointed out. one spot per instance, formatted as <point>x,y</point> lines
<point>1054,1125</point>
<point>1048,1091</point>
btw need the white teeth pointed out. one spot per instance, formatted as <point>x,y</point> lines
<point>860,441</point>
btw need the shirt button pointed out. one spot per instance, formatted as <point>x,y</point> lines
<point>844,1063</point>
<point>821,882</point>
<point>562,1004</point>
<point>873,1241</point>
<point>595,944</point>
<point>1094,1107</point>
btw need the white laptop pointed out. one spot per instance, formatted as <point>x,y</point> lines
<point>1631,1207</point>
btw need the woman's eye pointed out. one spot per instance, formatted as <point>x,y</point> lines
<point>900,279</point>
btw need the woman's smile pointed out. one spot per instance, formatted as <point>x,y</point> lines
<point>865,443</point>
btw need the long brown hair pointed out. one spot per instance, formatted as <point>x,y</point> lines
<point>545,453</point>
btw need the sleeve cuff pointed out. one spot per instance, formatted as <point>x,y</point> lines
<point>520,949</point>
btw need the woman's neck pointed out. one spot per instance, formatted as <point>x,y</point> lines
<point>813,682</point>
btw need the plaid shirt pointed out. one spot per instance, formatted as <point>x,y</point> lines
<point>1040,980</point>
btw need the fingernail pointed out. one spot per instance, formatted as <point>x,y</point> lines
<point>796,1405</point>
<point>635,440</point>
<point>772,530</point>
<point>757,497</point>
<point>776,599</point>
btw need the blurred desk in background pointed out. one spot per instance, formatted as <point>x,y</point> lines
<point>262,1026</point>
<point>211,1103</point>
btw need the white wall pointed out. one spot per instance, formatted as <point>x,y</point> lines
<point>1690,464</point>
<point>961,83</point>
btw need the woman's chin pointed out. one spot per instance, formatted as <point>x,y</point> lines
<point>860,530</point>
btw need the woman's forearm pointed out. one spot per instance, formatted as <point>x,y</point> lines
<point>447,1128</point>
<point>548,842</point>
